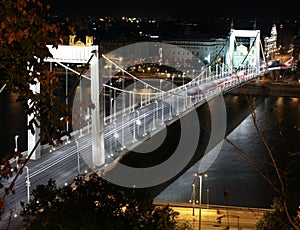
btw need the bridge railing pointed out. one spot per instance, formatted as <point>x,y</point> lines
<point>182,94</point>
<point>160,108</point>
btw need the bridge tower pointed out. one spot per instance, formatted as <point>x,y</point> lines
<point>251,57</point>
<point>84,55</point>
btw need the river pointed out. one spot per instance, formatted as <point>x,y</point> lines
<point>279,120</point>
<point>277,117</point>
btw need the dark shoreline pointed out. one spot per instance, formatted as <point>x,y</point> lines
<point>268,88</point>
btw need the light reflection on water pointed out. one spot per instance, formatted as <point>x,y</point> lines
<point>232,172</point>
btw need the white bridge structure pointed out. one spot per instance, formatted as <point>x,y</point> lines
<point>121,118</point>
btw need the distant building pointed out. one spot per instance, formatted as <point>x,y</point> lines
<point>271,44</point>
<point>73,41</point>
<point>184,52</point>
<point>297,47</point>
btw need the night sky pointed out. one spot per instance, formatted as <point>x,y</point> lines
<point>268,10</point>
<point>216,15</point>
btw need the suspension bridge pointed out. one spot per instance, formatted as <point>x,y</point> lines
<point>128,96</point>
<point>131,106</point>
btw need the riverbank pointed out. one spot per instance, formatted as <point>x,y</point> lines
<point>266,87</point>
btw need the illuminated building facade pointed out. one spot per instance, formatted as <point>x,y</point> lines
<point>271,44</point>
<point>77,42</point>
<point>183,52</point>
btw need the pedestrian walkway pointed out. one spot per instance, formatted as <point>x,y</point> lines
<point>214,217</point>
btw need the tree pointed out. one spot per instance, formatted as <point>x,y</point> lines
<point>186,225</point>
<point>163,218</point>
<point>25,30</point>
<point>275,220</point>
<point>94,202</point>
<point>281,181</point>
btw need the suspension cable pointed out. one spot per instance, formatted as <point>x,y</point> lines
<point>3,87</point>
<point>224,46</point>
<point>127,91</point>
<point>225,43</point>
<point>134,77</point>
<point>145,83</point>
<point>74,71</point>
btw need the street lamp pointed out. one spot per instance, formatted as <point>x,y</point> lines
<point>207,197</point>
<point>16,143</point>
<point>78,159</point>
<point>160,82</point>
<point>193,198</point>
<point>116,136</point>
<point>111,109</point>
<point>200,175</point>
<point>27,184</point>
<point>16,150</point>
<point>138,122</point>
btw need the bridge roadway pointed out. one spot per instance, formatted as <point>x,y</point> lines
<point>62,164</point>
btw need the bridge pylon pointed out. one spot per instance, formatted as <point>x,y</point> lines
<point>251,57</point>
<point>86,55</point>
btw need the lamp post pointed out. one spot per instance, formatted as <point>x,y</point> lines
<point>16,143</point>
<point>111,109</point>
<point>160,82</point>
<point>172,91</point>
<point>16,150</point>
<point>200,175</point>
<point>27,184</point>
<point>78,159</point>
<point>207,197</point>
<point>138,122</point>
<point>116,136</point>
<point>67,103</point>
<point>193,198</point>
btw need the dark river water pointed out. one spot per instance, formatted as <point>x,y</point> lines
<point>277,117</point>
<point>229,171</point>
<point>13,122</point>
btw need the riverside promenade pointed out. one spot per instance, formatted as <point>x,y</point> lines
<point>215,217</point>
